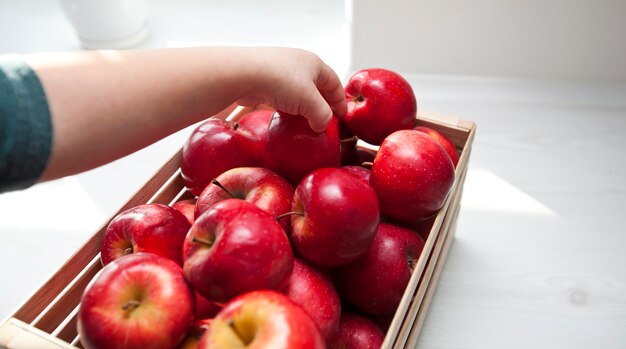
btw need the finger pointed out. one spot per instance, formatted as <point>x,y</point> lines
<point>330,87</point>
<point>317,111</point>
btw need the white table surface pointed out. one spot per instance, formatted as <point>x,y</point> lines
<point>538,258</point>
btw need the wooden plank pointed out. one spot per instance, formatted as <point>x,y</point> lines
<point>417,296</point>
<point>166,193</point>
<point>68,331</point>
<point>68,272</point>
<point>431,287</point>
<point>407,298</point>
<point>15,334</point>
<point>409,326</point>
<point>61,307</point>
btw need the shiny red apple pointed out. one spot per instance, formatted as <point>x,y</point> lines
<point>214,147</point>
<point>262,187</point>
<point>423,228</point>
<point>380,102</point>
<point>412,176</point>
<point>263,320</point>
<point>360,171</point>
<point>153,228</point>
<point>257,121</point>
<point>376,282</point>
<point>205,309</point>
<point>138,301</point>
<point>187,208</point>
<point>293,149</point>
<point>337,216</point>
<point>236,247</point>
<point>315,294</point>
<point>357,332</point>
<point>445,142</point>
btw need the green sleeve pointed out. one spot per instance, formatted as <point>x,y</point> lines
<point>25,125</point>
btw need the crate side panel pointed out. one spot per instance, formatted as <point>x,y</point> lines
<point>69,271</point>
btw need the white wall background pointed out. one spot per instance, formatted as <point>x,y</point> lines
<point>579,39</point>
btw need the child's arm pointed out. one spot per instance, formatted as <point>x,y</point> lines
<point>106,105</point>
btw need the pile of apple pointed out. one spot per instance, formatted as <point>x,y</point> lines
<point>296,239</point>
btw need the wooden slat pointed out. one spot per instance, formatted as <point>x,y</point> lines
<point>15,334</point>
<point>61,307</point>
<point>51,288</point>
<point>76,342</point>
<point>69,331</point>
<point>169,190</point>
<point>418,296</point>
<point>184,194</point>
<point>432,285</point>
<point>407,298</point>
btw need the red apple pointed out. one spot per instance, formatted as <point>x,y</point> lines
<point>293,149</point>
<point>236,247</point>
<point>412,176</point>
<point>153,228</point>
<point>187,208</point>
<point>337,220</point>
<point>445,142</point>
<point>382,321</point>
<point>214,147</point>
<point>198,330</point>
<point>376,282</point>
<point>257,122</point>
<point>205,309</point>
<point>263,320</point>
<point>315,294</point>
<point>357,332</point>
<point>423,228</point>
<point>380,102</point>
<point>262,187</point>
<point>360,171</point>
<point>138,301</point>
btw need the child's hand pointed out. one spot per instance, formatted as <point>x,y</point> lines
<point>296,82</point>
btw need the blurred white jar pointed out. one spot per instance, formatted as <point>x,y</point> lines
<point>108,24</point>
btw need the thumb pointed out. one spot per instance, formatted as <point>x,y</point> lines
<point>318,113</point>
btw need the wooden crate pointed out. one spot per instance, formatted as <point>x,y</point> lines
<point>48,318</point>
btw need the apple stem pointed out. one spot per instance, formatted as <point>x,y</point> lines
<point>292,213</point>
<point>411,263</point>
<point>348,140</point>
<point>245,339</point>
<point>367,164</point>
<point>131,305</point>
<point>235,126</point>
<point>202,241</point>
<point>359,98</point>
<point>128,250</point>
<point>215,181</point>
